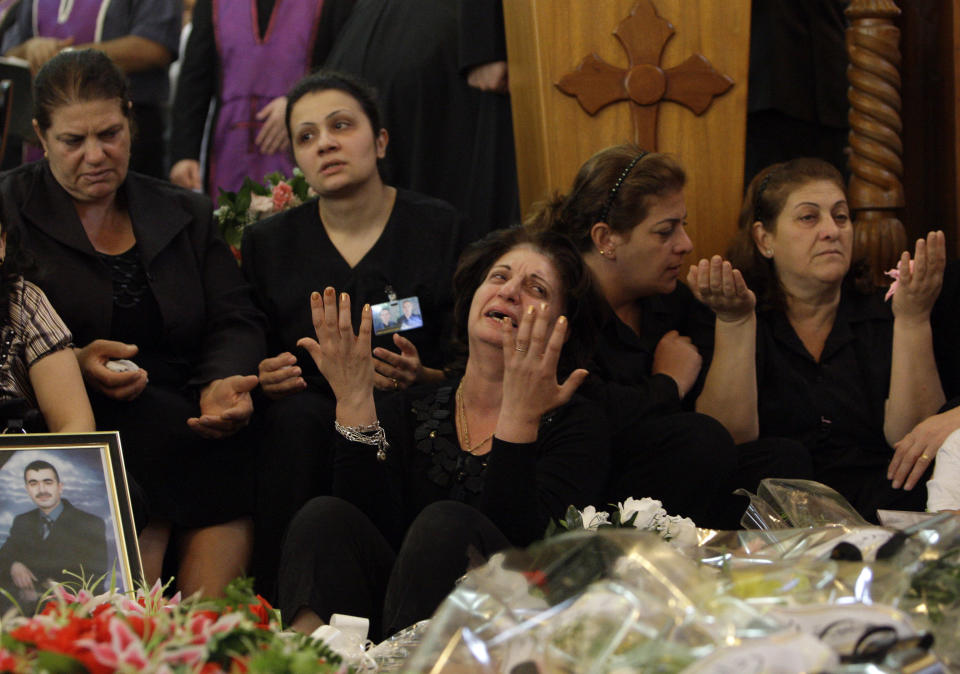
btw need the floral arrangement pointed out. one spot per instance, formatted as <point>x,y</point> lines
<point>646,514</point>
<point>77,631</point>
<point>254,201</point>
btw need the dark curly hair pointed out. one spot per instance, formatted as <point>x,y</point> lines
<point>12,266</point>
<point>591,196</point>
<point>580,301</point>
<point>765,198</point>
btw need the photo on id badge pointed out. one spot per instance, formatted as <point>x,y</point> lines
<point>396,316</point>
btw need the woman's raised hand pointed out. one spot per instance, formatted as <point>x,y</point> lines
<point>342,357</point>
<point>721,287</point>
<point>530,386</point>
<point>920,279</point>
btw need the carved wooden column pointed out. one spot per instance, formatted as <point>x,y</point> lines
<point>876,167</point>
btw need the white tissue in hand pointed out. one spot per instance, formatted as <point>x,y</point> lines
<point>122,365</point>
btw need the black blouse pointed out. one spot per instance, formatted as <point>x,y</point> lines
<point>519,486</point>
<point>288,256</point>
<point>835,407</point>
<point>621,376</point>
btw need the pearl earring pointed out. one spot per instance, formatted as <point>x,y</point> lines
<point>769,252</point>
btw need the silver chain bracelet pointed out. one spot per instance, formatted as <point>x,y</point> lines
<point>373,435</point>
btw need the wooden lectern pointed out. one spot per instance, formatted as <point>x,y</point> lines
<point>550,43</point>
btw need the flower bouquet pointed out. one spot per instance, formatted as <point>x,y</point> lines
<point>645,514</point>
<point>77,632</point>
<point>254,201</point>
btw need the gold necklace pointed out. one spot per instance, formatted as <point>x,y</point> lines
<point>462,430</point>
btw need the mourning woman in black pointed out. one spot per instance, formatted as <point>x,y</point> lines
<point>381,245</point>
<point>476,464</point>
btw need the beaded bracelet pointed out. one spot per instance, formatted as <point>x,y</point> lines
<point>373,435</point>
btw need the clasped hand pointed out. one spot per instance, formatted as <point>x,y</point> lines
<point>919,283</point>
<point>530,385</point>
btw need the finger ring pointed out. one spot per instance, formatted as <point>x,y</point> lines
<point>924,457</point>
<point>523,349</point>
<point>396,384</point>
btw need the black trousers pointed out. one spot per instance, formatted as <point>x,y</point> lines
<point>335,560</point>
<point>689,462</point>
<point>294,461</point>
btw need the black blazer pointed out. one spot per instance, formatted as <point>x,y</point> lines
<point>209,318</point>
<point>77,539</point>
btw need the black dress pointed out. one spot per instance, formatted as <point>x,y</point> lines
<point>835,407</point>
<point>447,139</point>
<point>287,257</point>
<point>508,496</point>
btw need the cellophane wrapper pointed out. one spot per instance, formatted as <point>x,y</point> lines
<point>620,600</point>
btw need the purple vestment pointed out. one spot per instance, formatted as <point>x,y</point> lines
<point>80,19</point>
<point>254,71</point>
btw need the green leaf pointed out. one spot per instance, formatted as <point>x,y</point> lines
<point>58,663</point>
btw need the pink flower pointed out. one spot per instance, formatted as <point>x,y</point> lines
<point>125,647</point>
<point>895,275</point>
<point>282,196</point>
<point>261,206</point>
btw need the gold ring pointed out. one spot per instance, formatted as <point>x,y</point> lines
<point>396,384</point>
<point>522,350</point>
<point>924,457</point>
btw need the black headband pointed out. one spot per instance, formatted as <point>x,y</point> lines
<point>760,190</point>
<point>616,186</point>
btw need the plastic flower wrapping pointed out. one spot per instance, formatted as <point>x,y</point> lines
<point>254,201</point>
<point>77,632</point>
<point>811,587</point>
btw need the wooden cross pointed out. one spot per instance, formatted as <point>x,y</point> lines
<point>643,34</point>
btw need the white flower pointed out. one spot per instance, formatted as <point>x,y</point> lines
<point>649,512</point>
<point>592,518</point>
<point>680,530</point>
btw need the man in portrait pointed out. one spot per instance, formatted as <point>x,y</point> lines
<point>50,542</point>
<point>384,321</point>
<point>411,318</point>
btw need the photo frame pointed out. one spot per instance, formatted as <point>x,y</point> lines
<point>65,514</point>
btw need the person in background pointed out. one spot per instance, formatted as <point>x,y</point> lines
<point>439,67</point>
<point>244,55</point>
<point>140,36</point>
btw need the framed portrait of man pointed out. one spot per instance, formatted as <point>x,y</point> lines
<point>65,516</point>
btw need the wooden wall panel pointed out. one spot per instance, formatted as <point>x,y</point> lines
<point>548,38</point>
